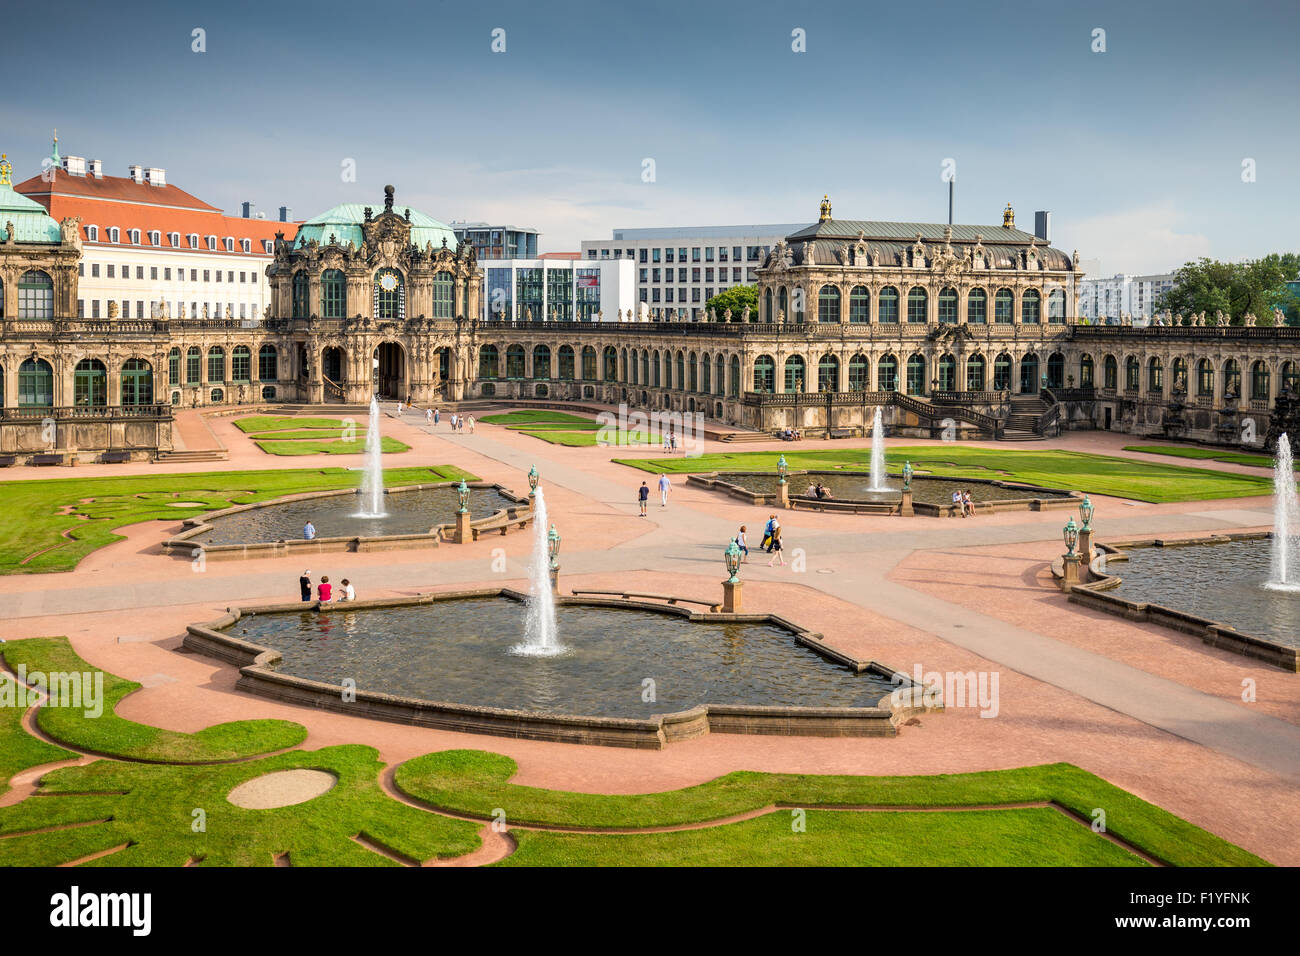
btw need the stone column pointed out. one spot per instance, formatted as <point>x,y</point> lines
<point>1070,572</point>
<point>731,603</point>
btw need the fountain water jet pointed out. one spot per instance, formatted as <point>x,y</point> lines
<point>372,478</point>
<point>878,475</point>
<point>541,634</point>
<point>1285,569</point>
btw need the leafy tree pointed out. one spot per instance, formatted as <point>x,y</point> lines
<point>735,299</point>
<point>1235,288</point>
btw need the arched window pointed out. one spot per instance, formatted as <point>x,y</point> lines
<point>859,373</point>
<point>1132,370</point>
<point>241,364</point>
<point>1259,381</point>
<point>89,383</point>
<point>947,373</point>
<point>193,365</point>
<point>720,375</point>
<point>656,369</point>
<point>975,373</point>
<point>1155,375</point>
<point>887,374</point>
<point>1056,307</point>
<point>333,294</point>
<point>488,362</point>
<point>1029,374</point>
<point>768,314</point>
<point>888,305</point>
<point>977,307</point>
<point>566,363</point>
<point>35,295</point>
<point>948,306</point>
<point>268,364</point>
<point>764,374</point>
<point>1291,377</point>
<point>174,367</point>
<point>1204,378</point>
<point>706,374</point>
<point>588,363</point>
<point>137,382</point>
<point>611,364</point>
<point>859,304</point>
<point>680,380</point>
<point>390,295</point>
<point>515,361</point>
<point>828,304</point>
<point>1004,307</point>
<point>1031,307</point>
<point>216,364</point>
<point>1086,379</point>
<point>542,362</point>
<point>1231,379</point>
<point>783,303</point>
<point>916,374</point>
<point>691,372</point>
<point>645,368</point>
<point>918,301</point>
<point>300,299</point>
<point>798,304</point>
<point>1110,372</point>
<point>35,384</point>
<point>1002,372</point>
<point>828,373</point>
<point>1179,376</point>
<point>734,390</point>
<point>795,378</point>
<point>444,285</point>
<point>1056,370</point>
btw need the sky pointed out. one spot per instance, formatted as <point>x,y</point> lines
<point>1180,139</point>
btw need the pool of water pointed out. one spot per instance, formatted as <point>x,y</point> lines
<point>855,486</point>
<point>409,512</point>
<point>1222,582</point>
<point>458,651</point>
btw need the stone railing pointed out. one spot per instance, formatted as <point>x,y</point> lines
<point>1273,333</point>
<point>98,412</point>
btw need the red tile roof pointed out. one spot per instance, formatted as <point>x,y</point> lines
<point>560,255</point>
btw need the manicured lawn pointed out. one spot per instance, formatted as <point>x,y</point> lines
<point>1078,471</point>
<point>586,439</point>
<point>274,423</point>
<point>34,530</point>
<point>1212,454</point>
<point>339,447</point>
<point>477,783</point>
<point>19,749</point>
<point>308,434</point>
<point>531,415</point>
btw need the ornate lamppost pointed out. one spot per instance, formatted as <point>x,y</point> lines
<point>731,586</point>
<point>1085,532</point>
<point>782,486</point>
<point>463,533</point>
<point>553,550</point>
<point>533,478</point>
<point>1070,560</point>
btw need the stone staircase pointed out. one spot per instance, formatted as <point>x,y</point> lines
<point>1022,419</point>
<point>201,454</point>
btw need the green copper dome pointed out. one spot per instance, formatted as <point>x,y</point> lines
<point>344,224</point>
<point>30,220</point>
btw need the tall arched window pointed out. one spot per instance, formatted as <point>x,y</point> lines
<point>174,367</point>
<point>1291,377</point>
<point>588,363</point>
<point>1179,369</point>
<point>764,374</point>
<point>390,295</point>
<point>828,373</point>
<point>888,305</point>
<point>948,306</point>
<point>918,303</point>
<point>333,294</point>
<point>916,374</point>
<point>720,375</point>
<point>1030,307</point>
<point>768,314</point>
<point>611,364</point>
<point>193,365</point>
<point>137,382</point>
<point>828,304</point>
<point>1004,307</point>
<point>35,295</point>
<point>1086,379</point>
<point>734,389</point>
<point>645,368</point>
<point>975,373</point>
<point>1056,370</point>
<point>1002,372</point>
<point>1056,307</point>
<point>488,362</point>
<point>1155,375</point>
<point>542,362</point>
<point>444,284</point>
<point>1259,381</point>
<point>216,364</point>
<point>89,383</point>
<point>783,303</point>
<point>1204,378</point>
<point>515,361</point>
<point>887,374</point>
<point>1231,378</point>
<point>35,384</point>
<point>566,363</point>
<point>300,299</point>
<point>947,373</point>
<point>859,304</point>
<point>241,364</point>
<point>1029,374</point>
<point>680,380</point>
<point>268,364</point>
<point>656,369</point>
<point>1132,372</point>
<point>859,372</point>
<point>706,374</point>
<point>977,307</point>
<point>1110,372</point>
<point>796,379</point>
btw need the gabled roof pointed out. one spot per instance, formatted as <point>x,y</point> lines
<point>109,188</point>
<point>930,231</point>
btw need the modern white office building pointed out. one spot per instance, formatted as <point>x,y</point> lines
<point>678,270</point>
<point>1122,294</point>
<point>560,287</point>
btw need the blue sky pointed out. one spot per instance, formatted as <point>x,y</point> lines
<point>1137,151</point>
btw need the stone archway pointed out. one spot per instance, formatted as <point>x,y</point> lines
<point>390,371</point>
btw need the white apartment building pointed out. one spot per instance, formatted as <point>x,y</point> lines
<point>559,286</point>
<point>1122,294</point>
<point>678,270</point>
<point>146,242</point>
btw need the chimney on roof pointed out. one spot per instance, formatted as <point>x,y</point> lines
<point>97,168</point>
<point>155,176</point>
<point>1043,225</point>
<point>136,173</point>
<point>74,165</point>
<point>284,213</point>
<point>248,209</point>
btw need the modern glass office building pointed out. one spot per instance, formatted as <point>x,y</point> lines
<point>497,242</point>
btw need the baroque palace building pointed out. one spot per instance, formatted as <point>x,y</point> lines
<point>957,330</point>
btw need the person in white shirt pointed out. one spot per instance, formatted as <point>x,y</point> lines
<point>471,424</point>
<point>347,591</point>
<point>428,416</point>
<point>665,486</point>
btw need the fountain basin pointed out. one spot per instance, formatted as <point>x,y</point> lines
<point>443,661</point>
<point>416,517</point>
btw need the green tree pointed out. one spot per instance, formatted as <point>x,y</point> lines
<point>735,299</point>
<point>1256,286</point>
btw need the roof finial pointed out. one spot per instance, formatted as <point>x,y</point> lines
<point>54,156</point>
<point>388,199</point>
<point>5,170</point>
<point>825,208</point>
<point>1008,217</point>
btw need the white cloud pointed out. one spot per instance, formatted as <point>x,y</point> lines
<point>1139,241</point>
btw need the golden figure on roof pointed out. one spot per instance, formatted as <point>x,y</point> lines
<point>1008,217</point>
<point>6,170</point>
<point>825,209</point>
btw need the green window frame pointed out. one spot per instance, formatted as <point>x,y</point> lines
<point>137,383</point>
<point>35,295</point>
<point>444,288</point>
<point>888,306</point>
<point>333,294</point>
<point>241,364</point>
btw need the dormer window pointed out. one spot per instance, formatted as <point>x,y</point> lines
<point>194,240</point>
<point>267,246</point>
<point>155,237</point>
<point>114,234</point>
<point>92,234</point>
<point>175,239</point>
<point>135,237</point>
<point>212,243</point>
<point>246,245</point>
<point>230,244</point>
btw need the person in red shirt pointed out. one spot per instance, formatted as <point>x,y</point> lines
<point>324,590</point>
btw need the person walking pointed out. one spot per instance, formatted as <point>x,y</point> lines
<point>471,424</point>
<point>347,591</point>
<point>665,486</point>
<point>742,542</point>
<point>776,547</point>
<point>643,496</point>
<point>436,416</point>
<point>453,421</point>
<point>324,590</point>
<point>308,531</point>
<point>304,585</point>
<point>772,525</point>
<point>428,416</point>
